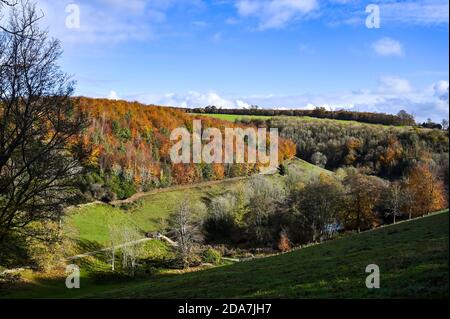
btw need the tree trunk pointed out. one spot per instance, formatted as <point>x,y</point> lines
<point>113,259</point>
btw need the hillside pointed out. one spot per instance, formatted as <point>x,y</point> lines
<point>129,149</point>
<point>412,256</point>
<point>90,223</point>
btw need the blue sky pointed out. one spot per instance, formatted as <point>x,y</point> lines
<point>273,53</point>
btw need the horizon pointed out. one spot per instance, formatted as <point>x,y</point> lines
<point>296,54</point>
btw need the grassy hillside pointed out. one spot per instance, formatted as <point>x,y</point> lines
<point>233,117</point>
<point>90,223</point>
<point>412,256</point>
<point>308,119</point>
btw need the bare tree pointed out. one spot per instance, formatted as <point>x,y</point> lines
<point>10,4</point>
<point>409,196</point>
<point>131,249</point>
<point>114,239</point>
<point>39,125</point>
<point>183,227</point>
<point>394,200</point>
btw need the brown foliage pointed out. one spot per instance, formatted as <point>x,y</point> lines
<point>424,192</point>
<point>284,244</point>
<point>135,138</point>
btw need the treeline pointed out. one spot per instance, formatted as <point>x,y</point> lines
<point>266,214</point>
<point>130,149</point>
<point>383,151</point>
<point>401,119</point>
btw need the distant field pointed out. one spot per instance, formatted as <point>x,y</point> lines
<point>233,118</point>
<point>90,223</point>
<point>412,257</point>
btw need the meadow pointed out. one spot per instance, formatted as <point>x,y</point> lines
<point>307,119</point>
<point>412,257</point>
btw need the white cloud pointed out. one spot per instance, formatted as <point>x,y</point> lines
<point>110,21</point>
<point>387,46</point>
<point>424,12</point>
<point>441,90</point>
<point>392,95</point>
<point>113,95</point>
<point>396,85</point>
<point>192,99</point>
<point>275,13</point>
<point>393,12</point>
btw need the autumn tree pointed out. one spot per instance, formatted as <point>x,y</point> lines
<point>321,204</point>
<point>363,195</point>
<point>284,244</point>
<point>424,191</point>
<point>311,208</point>
<point>39,125</point>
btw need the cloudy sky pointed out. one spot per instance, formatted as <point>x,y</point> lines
<point>273,53</point>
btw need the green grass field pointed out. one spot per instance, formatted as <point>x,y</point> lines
<point>412,257</point>
<point>233,117</point>
<point>308,119</point>
<point>90,224</point>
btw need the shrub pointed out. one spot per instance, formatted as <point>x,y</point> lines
<point>283,244</point>
<point>212,256</point>
<point>45,248</point>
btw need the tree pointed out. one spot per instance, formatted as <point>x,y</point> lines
<point>184,228</point>
<point>114,239</point>
<point>363,196</point>
<point>39,125</point>
<point>394,200</point>
<point>406,118</point>
<point>444,124</point>
<point>322,203</point>
<point>131,249</point>
<point>262,202</point>
<point>319,159</point>
<point>284,244</point>
<point>310,210</point>
<point>425,192</point>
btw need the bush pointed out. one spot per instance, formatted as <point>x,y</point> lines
<point>283,244</point>
<point>122,188</point>
<point>45,248</point>
<point>8,281</point>
<point>212,256</point>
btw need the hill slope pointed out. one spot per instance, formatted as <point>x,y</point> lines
<point>412,256</point>
<point>129,149</point>
<point>90,223</point>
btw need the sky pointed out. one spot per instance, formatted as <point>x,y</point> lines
<point>271,53</point>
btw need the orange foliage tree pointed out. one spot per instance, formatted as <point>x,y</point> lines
<point>424,192</point>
